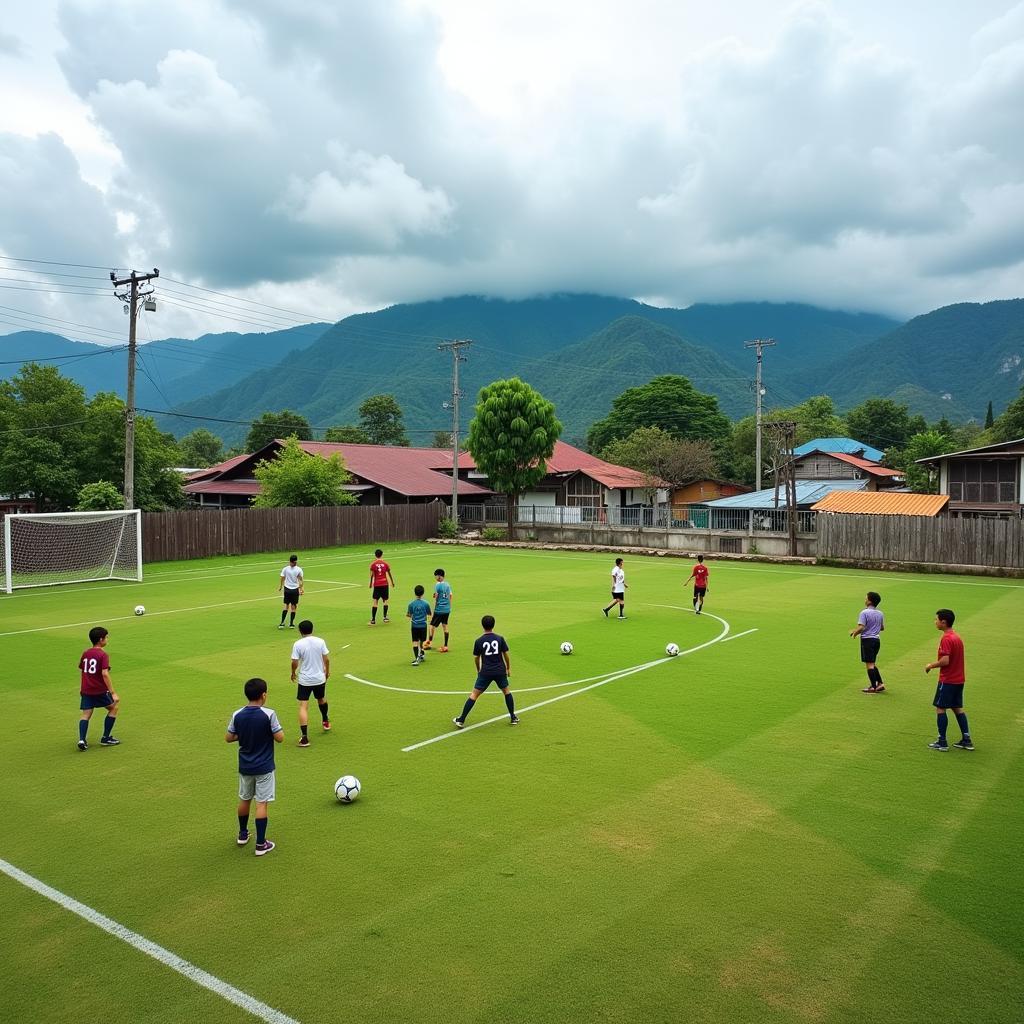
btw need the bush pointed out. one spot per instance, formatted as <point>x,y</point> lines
<point>101,496</point>
<point>447,528</point>
<point>494,533</point>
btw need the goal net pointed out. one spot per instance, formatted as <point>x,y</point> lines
<point>46,549</point>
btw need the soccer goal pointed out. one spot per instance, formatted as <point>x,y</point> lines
<point>45,549</point>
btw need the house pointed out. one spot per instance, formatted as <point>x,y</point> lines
<point>846,445</point>
<point>986,481</point>
<point>696,491</point>
<point>822,465</point>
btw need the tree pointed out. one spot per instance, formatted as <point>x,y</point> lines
<point>101,496</point>
<point>512,434</point>
<point>921,446</point>
<point>295,479</point>
<point>273,425</point>
<point>670,402</point>
<point>201,448</point>
<point>380,416</point>
<point>349,433</point>
<point>817,417</point>
<point>883,423</point>
<point>989,420</point>
<point>1010,425</point>
<point>442,439</point>
<point>660,455</point>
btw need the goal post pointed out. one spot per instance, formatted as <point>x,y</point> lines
<point>45,549</point>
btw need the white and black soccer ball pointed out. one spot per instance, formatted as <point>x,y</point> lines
<point>347,788</point>
<point>140,609</point>
<point>672,650</point>
<point>566,647</point>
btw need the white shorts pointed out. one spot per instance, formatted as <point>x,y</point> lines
<point>256,787</point>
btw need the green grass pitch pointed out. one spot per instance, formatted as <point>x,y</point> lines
<point>735,835</point>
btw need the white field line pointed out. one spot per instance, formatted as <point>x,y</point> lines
<point>563,696</point>
<point>736,636</point>
<point>168,611</point>
<point>189,970</point>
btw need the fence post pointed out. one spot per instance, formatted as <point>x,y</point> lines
<point>750,523</point>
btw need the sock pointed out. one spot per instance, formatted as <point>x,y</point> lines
<point>323,712</point>
<point>261,831</point>
<point>108,725</point>
<point>871,676</point>
<point>609,608</point>
<point>304,728</point>
<point>291,621</point>
<point>284,612</point>
<point>83,728</point>
<point>466,708</point>
<point>961,720</point>
<point>695,602</point>
<point>385,611</point>
<point>373,614</point>
<point>943,720</point>
<point>446,639</point>
<point>878,677</point>
<point>622,611</point>
<point>243,823</point>
<point>510,703</point>
<point>415,651</point>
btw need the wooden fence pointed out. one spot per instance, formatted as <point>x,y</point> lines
<point>941,541</point>
<point>172,536</point>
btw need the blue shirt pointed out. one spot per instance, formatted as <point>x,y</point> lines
<point>442,597</point>
<point>255,728</point>
<point>419,610</point>
<point>872,620</point>
<point>489,648</point>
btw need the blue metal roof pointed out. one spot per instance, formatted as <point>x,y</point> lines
<point>846,445</point>
<point>808,492</point>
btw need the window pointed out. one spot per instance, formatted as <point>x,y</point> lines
<point>985,481</point>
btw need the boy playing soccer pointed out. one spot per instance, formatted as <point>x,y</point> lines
<point>949,694</point>
<point>442,609</point>
<point>291,582</point>
<point>619,585</point>
<point>490,652</point>
<point>96,690</point>
<point>870,624</point>
<point>310,660</point>
<point>255,729</point>
<point>380,574</point>
<point>700,583</point>
<point>418,613</point>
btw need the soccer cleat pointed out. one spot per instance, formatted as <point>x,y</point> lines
<point>386,619</point>
<point>964,744</point>
<point>458,723</point>
<point>880,688</point>
<point>870,689</point>
<point>264,848</point>
<point>109,741</point>
<point>291,625</point>
<point>243,838</point>
<point>371,623</point>
<point>304,741</point>
<point>82,745</point>
<point>327,725</point>
<point>427,645</point>
<point>281,626</point>
<point>514,720</point>
<point>416,661</point>
<point>621,617</point>
<point>444,650</point>
<point>939,745</point>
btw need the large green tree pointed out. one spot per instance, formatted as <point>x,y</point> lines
<point>273,425</point>
<point>883,423</point>
<point>661,456</point>
<point>669,402</point>
<point>1010,425</point>
<point>295,479</point>
<point>201,448</point>
<point>512,434</point>
<point>347,433</point>
<point>380,416</point>
<point>920,446</point>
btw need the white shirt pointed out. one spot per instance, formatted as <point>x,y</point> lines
<point>618,580</point>
<point>309,652</point>
<point>292,576</point>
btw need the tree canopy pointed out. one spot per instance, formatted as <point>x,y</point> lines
<point>1010,425</point>
<point>883,423</point>
<point>658,454</point>
<point>100,496</point>
<point>347,433</point>
<point>295,479</point>
<point>273,425</point>
<point>201,448</point>
<point>380,416</point>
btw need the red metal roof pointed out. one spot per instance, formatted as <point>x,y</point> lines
<point>221,467</point>
<point>250,487</point>
<point>866,464</point>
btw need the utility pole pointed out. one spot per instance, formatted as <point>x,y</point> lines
<point>457,357</point>
<point>760,344</point>
<point>131,301</point>
<point>783,434</point>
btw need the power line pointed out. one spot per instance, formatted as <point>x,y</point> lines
<point>55,263</point>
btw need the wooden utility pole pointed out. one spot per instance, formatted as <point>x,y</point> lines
<point>760,344</point>
<point>453,347</point>
<point>131,301</point>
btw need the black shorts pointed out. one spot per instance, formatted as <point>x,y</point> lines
<point>96,700</point>
<point>699,591</point>
<point>618,597</point>
<point>291,596</point>
<point>419,633</point>
<point>869,647</point>
<point>482,682</point>
<point>381,593</point>
<point>305,692</point>
<point>949,695</point>
<point>440,619</point>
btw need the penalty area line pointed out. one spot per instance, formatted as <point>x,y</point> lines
<point>736,636</point>
<point>176,963</point>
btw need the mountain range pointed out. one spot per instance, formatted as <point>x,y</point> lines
<point>580,351</point>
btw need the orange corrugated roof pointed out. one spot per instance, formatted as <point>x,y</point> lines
<point>882,503</point>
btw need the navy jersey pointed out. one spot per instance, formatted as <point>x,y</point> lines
<point>255,728</point>
<point>489,648</point>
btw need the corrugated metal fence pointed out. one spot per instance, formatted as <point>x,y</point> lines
<point>172,536</point>
<point>942,541</point>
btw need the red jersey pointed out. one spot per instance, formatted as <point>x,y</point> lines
<point>92,664</point>
<point>953,646</point>
<point>700,575</point>
<point>379,572</point>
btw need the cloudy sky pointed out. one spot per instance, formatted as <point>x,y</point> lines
<point>340,155</point>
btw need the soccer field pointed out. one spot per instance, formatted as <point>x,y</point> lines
<point>734,835</point>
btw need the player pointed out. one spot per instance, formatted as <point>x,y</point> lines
<point>950,691</point>
<point>97,691</point>
<point>255,729</point>
<point>700,583</point>
<point>870,624</point>
<point>310,659</point>
<point>490,652</point>
<point>619,586</point>
<point>291,582</point>
<point>380,574</point>
<point>417,613</point>
<point>442,609</point>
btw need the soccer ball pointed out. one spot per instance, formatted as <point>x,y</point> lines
<point>567,647</point>
<point>672,650</point>
<point>347,788</point>
<point>140,609</point>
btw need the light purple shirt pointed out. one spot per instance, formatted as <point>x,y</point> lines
<point>873,621</point>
